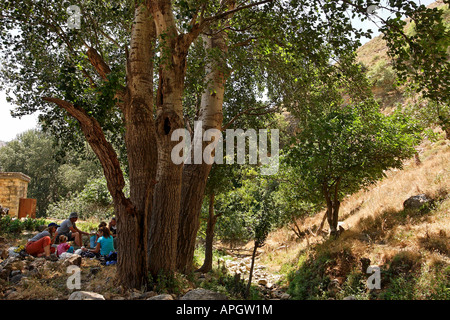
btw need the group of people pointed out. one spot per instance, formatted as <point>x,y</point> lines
<point>102,242</point>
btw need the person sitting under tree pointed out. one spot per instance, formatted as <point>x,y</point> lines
<point>70,230</point>
<point>41,244</point>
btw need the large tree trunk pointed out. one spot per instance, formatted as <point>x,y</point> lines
<point>141,150</point>
<point>195,175</point>
<point>131,266</point>
<point>169,117</point>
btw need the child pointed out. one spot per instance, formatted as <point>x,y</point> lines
<point>113,227</point>
<point>63,245</point>
<point>93,239</point>
<point>94,235</point>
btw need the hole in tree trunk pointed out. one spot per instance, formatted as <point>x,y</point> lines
<point>167,126</point>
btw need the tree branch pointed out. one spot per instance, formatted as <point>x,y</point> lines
<point>103,149</point>
<point>232,11</point>
<point>98,63</point>
<point>246,112</point>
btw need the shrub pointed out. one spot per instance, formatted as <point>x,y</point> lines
<point>310,280</point>
<point>15,226</point>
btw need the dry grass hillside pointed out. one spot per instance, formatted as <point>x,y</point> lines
<point>408,245</point>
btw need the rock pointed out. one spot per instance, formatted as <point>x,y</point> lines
<point>416,202</point>
<point>262,282</point>
<point>86,295</point>
<point>73,260</point>
<point>148,294</point>
<point>36,264</point>
<point>161,297</point>
<point>16,279</point>
<point>135,296</point>
<point>15,272</point>
<point>285,296</point>
<point>203,294</point>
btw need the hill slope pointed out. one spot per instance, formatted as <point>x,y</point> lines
<point>412,248</point>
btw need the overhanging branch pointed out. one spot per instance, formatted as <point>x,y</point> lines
<point>102,148</point>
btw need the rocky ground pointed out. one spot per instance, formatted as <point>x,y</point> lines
<point>23,277</point>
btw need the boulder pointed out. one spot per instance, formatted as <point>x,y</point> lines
<point>262,282</point>
<point>285,296</point>
<point>416,202</point>
<point>16,278</point>
<point>203,294</point>
<point>72,260</point>
<point>161,297</point>
<point>86,295</point>
<point>148,294</point>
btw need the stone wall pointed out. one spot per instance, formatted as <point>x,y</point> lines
<point>13,187</point>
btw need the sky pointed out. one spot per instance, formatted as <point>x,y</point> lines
<point>10,127</point>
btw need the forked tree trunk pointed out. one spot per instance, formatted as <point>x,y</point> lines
<point>333,206</point>
<point>164,219</point>
<point>195,175</point>
<point>148,221</point>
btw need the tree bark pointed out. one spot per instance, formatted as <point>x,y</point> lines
<point>247,291</point>
<point>164,220</point>
<point>141,150</point>
<point>333,206</point>
<point>195,175</point>
<point>212,219</point>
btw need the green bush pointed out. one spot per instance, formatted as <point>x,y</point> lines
<point>85,210</point>
<point>310,281</point>
<point>15,226</point>
<point>94,201</point>
<point>425,284</point>
<point>383,75</point>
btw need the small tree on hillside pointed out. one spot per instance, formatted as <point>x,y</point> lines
<point>342,149</point>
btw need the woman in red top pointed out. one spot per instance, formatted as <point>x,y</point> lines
<point>41,244</point>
